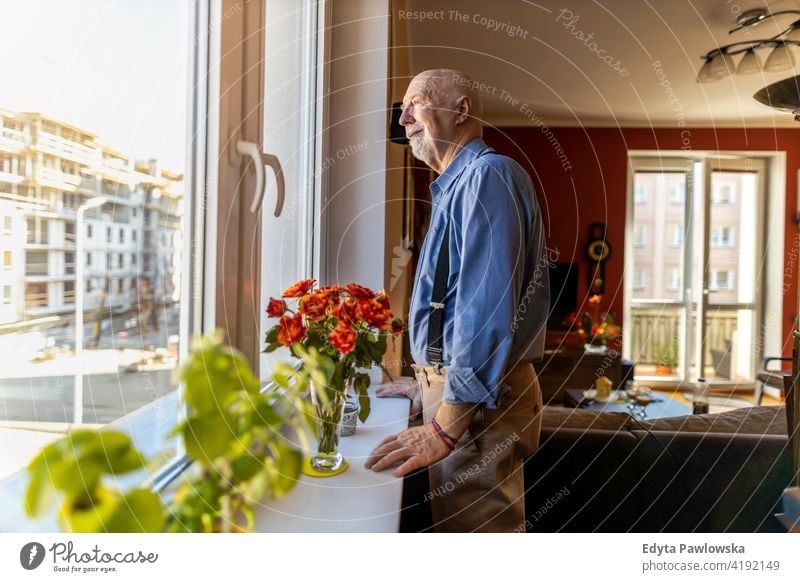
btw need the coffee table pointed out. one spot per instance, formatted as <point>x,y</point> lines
<point>663,407</point>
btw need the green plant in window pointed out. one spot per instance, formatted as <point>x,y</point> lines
<point>75,468</point>
<point>244,445</point>
<point>666,354</point>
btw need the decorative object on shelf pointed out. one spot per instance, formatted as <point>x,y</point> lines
<point>666,357</point>
<point>335,332</point>
<point>595,328</point>
<point>598,250</point>
<point>719,62</point>
<point>239,440</point>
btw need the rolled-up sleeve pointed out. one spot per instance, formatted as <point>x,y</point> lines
<point>491,269</point>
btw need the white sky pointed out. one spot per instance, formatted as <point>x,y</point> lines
<point>117,68</point>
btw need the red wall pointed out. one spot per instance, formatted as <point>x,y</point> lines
<point>588,183</point>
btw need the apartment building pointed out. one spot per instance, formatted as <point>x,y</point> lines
<point>48,169</point>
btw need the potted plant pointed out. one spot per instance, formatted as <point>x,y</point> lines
<point>666,358</point>
<point>334,333</point>
<point>596,329</point>
<point>241,442</point>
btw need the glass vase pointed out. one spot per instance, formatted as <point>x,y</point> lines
<point>329,422</point>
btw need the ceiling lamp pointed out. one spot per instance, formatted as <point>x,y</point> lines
<point>720,62</point>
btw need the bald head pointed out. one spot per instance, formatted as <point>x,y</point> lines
<point>447,87</point>
<point>441,113</point>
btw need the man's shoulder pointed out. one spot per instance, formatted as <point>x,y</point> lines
<point>493,163</point>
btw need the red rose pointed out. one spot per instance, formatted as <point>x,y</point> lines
<point>314,306</point>
<point>276,307</point>
<point>398,326</point>
<point>359,292</point>
<point>300,288</point>
<point>375,313</point>
<point>291,329</point>
<point>382,298</point>
<point>343,338</point>
<point>346,311</point>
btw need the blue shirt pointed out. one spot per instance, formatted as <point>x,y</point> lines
<point>498,292</point>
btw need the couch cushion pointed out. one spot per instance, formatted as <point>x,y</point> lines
<point>758,420</point>
<point>557,417</point>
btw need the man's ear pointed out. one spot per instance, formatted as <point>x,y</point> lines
<point>463,109</point>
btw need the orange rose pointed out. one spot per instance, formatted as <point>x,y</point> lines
<point>291,329</point>
<point>332,291</point>
<point>343,338</point>
<point>276,307</point>
<point>314,306</point>
<point>346,311</point>
<point>375,313</point>
<point>359,292</point>
<point>300,288</point>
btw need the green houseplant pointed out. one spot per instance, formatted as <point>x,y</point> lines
<point>244,445</point>
<point>666,355</point>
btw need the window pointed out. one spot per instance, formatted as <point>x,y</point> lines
<point>721,280</point>
<point>7,226</point>
<point>677,194</point>
<point>88,285</point>
<point>133,234</point>
<point>120,261</point>
<point>6,294</point>
<point>120,285</point>
<point>88,231</point>
<point>88,259</point>
<point>639,279</point>
<point>121,236</point>
<point>133,259</point>
<point>674,281</point>
<point>7,260</point>
<point>677,237</point>
<point>108,234</point>
<point>721,236</point>
<point>640,192</point>
<point>723,194</point>
<point>639,236</point>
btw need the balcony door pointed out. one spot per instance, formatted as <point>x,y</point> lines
<point>694,269</point>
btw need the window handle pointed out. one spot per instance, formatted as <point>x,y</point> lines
<point>251,150</point>
<point>273,162</point>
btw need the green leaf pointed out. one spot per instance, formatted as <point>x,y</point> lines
<point>138,511</point>
<point>245,467</point>
<point>207,437</point>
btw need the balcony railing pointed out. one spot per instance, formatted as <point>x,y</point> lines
<point>65,148</point>
<point>11,138</point>
<point>654,328</point>
<point>33,269</point>
<point>33,300</point>
<point>46,174</point>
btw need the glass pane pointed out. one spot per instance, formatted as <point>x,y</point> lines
<point>289,134</point>
<point>109,121</point>
<point>654,338</point>
<point>732,240</point>
<point>659,232</point>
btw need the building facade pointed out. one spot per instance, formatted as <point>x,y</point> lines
<point>48,169</point>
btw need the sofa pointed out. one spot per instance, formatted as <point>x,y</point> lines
<point>606,472</point>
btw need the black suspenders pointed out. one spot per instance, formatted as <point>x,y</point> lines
<point>436,309</point>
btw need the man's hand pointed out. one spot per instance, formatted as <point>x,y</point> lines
<point>408,387</point>
<point>414,447</point>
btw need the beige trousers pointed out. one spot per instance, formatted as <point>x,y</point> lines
<point>479,486</point>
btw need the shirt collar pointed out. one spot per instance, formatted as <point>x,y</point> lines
<point>463,158</point>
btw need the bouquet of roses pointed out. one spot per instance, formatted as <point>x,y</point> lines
<point>335,331</point>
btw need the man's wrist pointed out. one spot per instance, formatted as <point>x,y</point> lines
<point>454,419</point>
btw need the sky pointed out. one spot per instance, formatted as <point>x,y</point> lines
<point>117,68</point>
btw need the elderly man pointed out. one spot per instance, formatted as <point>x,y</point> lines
<point>477,317</point>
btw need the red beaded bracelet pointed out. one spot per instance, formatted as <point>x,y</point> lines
<point>448,440</point>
